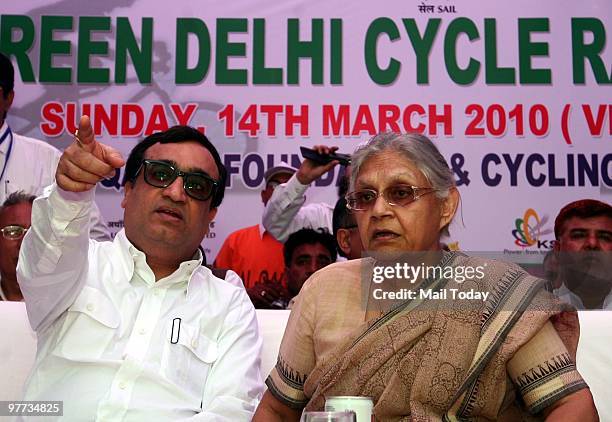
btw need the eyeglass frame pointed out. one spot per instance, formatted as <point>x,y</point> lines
<point>178,173</point>
<point>24,230</point>
<point>415,196</point>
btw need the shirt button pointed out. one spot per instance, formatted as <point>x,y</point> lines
<point>122,385</point>
<point>194,343</point>
<point>156,292</point>
<point>90,307</point>
<point>142,331</point>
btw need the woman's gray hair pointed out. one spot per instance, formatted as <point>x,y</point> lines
<point>418,149</point>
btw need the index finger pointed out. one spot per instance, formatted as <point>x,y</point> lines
<point>92,164</point>
<point>85,134</point>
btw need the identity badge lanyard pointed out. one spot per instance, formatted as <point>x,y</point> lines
<point>8,151</point>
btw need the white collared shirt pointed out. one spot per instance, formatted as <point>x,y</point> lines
<point>286,213</point>
<point>566,295</point>
<point>114,345</point>
<point>31,167</point>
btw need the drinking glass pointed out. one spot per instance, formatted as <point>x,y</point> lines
<point>328,417</point>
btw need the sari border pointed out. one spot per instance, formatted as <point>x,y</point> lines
<point>283,398</point>
<point>498,337</point>
<point>542,379</point>
<point>546,401</point>
<point>500,295</point>
<point>284,372</point>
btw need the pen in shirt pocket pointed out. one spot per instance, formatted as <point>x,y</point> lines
<point>176,330</point>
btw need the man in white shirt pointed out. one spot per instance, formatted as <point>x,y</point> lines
<point>286,213</point>
<point>27,164</point>
<point>137,329</point>
<point>583,230</point>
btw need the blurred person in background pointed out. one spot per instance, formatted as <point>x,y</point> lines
<point>346,231</point>
<point>286,212</point>
<point>252,252</point>
<point>305,252</point>
<point>583,252</point>
<point>15,220</point>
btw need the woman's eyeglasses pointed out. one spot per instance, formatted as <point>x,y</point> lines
<point>397,195</point>
<point>162,174</point>
<point>14,232</point>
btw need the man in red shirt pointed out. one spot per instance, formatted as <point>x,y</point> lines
<point>252,252</point>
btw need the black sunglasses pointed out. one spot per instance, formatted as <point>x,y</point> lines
<point>162,174</point>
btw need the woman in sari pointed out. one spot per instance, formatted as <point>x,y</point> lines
<point>509,356</point>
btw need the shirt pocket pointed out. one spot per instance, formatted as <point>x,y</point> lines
<point>187,358</point>
<point>91,324</point>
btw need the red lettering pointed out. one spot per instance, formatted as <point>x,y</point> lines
<point>363,121</point>
<point>496,120</point>
<point>127,111</point>
<point>595,123</point>
<point>407,118</point>
<point>183,116</point>
<point>72,120</point>
<point>272,111</point>
<point>336,121</point>
<point>296,119</point>
<point>388,115</point>
<point>227,115</point>
<point>446,118</point>
<point>53,124</point>
<point>157,120</point>
<point>103,119</point>
<point>248,121</point>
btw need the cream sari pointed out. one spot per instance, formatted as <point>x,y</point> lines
<point>423,361</point>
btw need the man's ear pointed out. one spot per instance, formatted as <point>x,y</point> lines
<point>211,216</point>
<point>10,98</point>
<point>343,238</point>
<point>448,207</point>
<point>127,189</point>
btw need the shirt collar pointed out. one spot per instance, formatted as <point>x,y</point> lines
<point>4,146</point>
<point>565,294</point>
<point>134,263</point>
